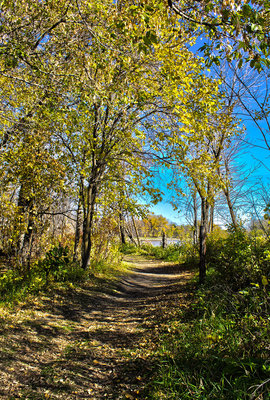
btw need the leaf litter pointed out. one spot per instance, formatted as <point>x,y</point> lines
<point>87,343</point>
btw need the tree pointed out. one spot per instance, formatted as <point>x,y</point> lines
<point>249,92</point>
<point>200,130</point>
<point>236,29</point>
<point>115,88</point>
<point>88,75</point>
<point>29,94</point>
<point>85,83</point>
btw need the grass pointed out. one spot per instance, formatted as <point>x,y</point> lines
<point>211,359</point>
<point>56,271</point>
<point>108,271</point>
<point>217,348</point>
<point>182,253</point>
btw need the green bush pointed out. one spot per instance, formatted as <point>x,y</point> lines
<point>10,281</point>
<point>55,263</point>
<point>128,248</point>
<point>14,285</point>
<point>55,267</point>
<point>182,253</point>
<point>218,348</point>
<point>213,358</point>
<point>58,266</point>
<point>239,259</point>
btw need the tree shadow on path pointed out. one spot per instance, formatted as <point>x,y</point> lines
<point>87,344</point>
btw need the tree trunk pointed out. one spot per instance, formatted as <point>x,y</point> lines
<point>88,217</point>
<point>122,228</point>
<point>130,235</point>
<point>227,194</point>
<point>211,220</point>
<point>203,236</point>
<point>230,205</point>
<point>77,232</point>
<point>136,231</point>
<point>26,249</point>
<point>195,222</point>
<point>202,266</point>
<point>164,241</point>
<point>23,246</point>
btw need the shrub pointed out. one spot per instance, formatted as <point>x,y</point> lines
<point>10,281</point>
<point>182,253</point>
<point>239,259</point>
<point>218,347</point>
<point>128,248</point>
<point>57,266</point>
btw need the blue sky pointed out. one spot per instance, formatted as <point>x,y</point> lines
<point>252,158</point>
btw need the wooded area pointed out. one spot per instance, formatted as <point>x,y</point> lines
<point>97,100</point>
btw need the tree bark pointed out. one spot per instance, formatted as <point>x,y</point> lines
<point>77,232</point>
<point>202,266</point>
<point>136,231</point>
<point>122,228</point>
<point>227,194</point>
<point>230,205</point>
<point>203,236</point>
<point>130,235</point>
<point>211,219</point>
<point>164,241</point>
<point>88,217</point>
<point>26,249</point>
<point>22,249</point>
<point>195,221</point>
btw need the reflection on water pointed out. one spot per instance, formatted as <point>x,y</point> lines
<point>158,241</point>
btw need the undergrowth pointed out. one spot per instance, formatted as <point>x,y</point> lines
<point>56,270</point>
<point>182,253</point>
<point>218,348</point>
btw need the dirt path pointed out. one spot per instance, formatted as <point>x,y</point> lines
<point>89,344</point>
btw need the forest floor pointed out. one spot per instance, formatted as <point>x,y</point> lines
<point>91,343</point>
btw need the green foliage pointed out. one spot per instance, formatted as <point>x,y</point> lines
<point>57,266</point>
<point>213,358</point>
<point>169,253</point>
<point>56,261</point>
<point>215,350</point>
<point>107,269</point>
<point>129,248</point>
<point>10,281</point>
<point>183,253</point>
<point>15,284</point>
<point>239,259</point>
<point>236,30</point>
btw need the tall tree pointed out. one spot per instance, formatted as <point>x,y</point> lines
<point>118,87</point>
<point>201,129</point>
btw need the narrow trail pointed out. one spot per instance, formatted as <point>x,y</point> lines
<point>90,344</point>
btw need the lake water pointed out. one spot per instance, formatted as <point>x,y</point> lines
<point>158,241</point>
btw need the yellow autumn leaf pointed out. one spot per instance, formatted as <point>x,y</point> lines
<point>264,280</point>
